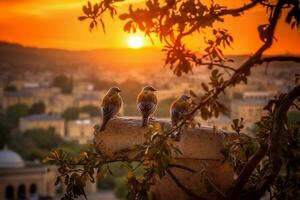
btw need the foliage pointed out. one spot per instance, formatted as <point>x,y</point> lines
<point>173,21</point>
<point>71,113</point>
<point>39,142</point>
<point>64,83</point>
<point>267,162</point>
<point>240,150</point>
<point>93,111</point>
<point>156,155</point>
<point>15,112</point>
<point>10,88</point>
<point>37,108</point>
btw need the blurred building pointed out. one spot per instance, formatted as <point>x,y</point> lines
<point>222,122</point>
<point>81,129</point>
<point>43,122</point>
<point>60,102</point>
<point>20,180</point>
<point>17,97</point>
<point>87,100</point>
<point>250,106</point>
<point>82,88</point>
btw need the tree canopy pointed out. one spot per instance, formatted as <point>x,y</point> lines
<point>64,83</point>
<point>15,112</point>
<point>37,108</point>
<point>39,142</point>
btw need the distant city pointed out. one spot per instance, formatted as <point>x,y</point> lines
<point>65,100</point>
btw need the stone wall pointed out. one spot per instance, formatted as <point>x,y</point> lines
<point>199,146</point>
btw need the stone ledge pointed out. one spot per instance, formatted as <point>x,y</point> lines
<point>198,145</point>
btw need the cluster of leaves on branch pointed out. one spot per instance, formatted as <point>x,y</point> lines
<point>267,162</point>
<point>240,151</point>
<point>173,20</point>
<point>154,157</point>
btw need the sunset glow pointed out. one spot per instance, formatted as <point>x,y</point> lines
<point>53,24</point>
<point>135,42</point>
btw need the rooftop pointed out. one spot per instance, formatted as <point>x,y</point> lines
<point>10,159</point>
<point>18,94</point>
<point>43,117</point>
<point>88,97</point>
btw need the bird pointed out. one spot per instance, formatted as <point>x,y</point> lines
<point>111,104</point>
<point>179,108</point>
<point>146,103</point>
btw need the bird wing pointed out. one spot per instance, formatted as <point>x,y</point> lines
<point>111,105</point>
<point>146,108</point>
<point>146,103</point>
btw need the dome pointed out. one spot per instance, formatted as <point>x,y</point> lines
<point>10,159</point>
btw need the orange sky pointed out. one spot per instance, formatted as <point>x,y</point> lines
<point>54,24</point>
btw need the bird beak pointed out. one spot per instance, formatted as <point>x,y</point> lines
<point>154,89</point>
<point>119,90</point>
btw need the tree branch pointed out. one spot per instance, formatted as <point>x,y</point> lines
<point>275,142</point>
<point>217,190</point>
<point>247,171</point>
<point>237,11</point>
<point>244,70</point>
<point>279,59</point>
<point>233,12</point>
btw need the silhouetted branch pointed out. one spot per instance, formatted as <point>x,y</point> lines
<point>279,59</point>
<point>209,181</point>
<point>237,11</point>
<point>233,12</point>
<point>275,142</point>
<point>247,171</point>
<point>244,70</point>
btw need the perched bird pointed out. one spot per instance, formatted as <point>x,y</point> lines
<point>179,108</point>
<point>146,103</point>
<point>111,105</point>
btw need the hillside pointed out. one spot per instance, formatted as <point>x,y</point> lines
<point>120,59</point>
<point>16,56</point>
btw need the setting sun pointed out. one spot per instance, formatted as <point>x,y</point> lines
<point>135,41</point>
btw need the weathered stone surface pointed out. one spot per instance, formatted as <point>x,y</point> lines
<point>199,146</point>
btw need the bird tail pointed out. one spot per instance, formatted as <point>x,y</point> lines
<point>145,121</point>
<point>103,126</point>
